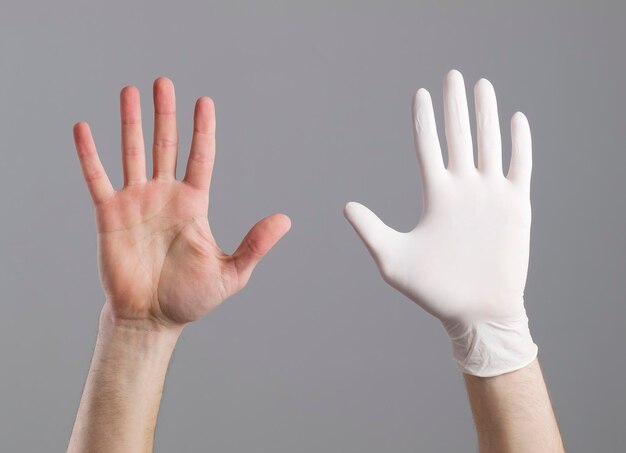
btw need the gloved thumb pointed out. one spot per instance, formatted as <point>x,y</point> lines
<point>376,236</point>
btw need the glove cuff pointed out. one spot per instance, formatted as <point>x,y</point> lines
<point>491,348</point>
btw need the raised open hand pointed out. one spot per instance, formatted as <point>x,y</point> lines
<point>157,257</point>
<point>466,261</point>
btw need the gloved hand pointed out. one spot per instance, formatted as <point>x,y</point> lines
<point>466,261</point>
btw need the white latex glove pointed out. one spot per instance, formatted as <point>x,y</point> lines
<point>466,261</point>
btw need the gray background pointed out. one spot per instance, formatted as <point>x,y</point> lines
<point>313,102</point>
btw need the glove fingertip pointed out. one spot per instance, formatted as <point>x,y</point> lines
<point>351,209</point>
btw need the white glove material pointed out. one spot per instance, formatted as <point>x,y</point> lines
<point>466,261</point>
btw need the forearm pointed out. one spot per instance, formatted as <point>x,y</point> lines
<point>120,402</point>
<point>513,412</point>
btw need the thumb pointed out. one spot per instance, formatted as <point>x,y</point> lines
<point>373,232</point>
<point>259,240</point>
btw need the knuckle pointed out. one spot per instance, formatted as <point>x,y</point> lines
<point>166,142</point>
<point>202,158</point>
<point>133,151</point>
<point>253,246</point>
<point>93,175</point>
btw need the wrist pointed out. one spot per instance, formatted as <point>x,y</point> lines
<point>124,385</point>
<point>150,328</point>
<point>136,347</point>
<point>490,348</point>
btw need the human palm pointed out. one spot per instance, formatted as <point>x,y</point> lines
<point>158,259</point>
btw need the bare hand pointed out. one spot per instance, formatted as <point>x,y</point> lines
<point>158,259</point>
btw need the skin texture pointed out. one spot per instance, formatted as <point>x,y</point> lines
<point>513,413</point>
<point>159,264</point>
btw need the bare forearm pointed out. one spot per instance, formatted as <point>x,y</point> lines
<point>158,263</point>
<point>513,412</point>
<point>120,402</point>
